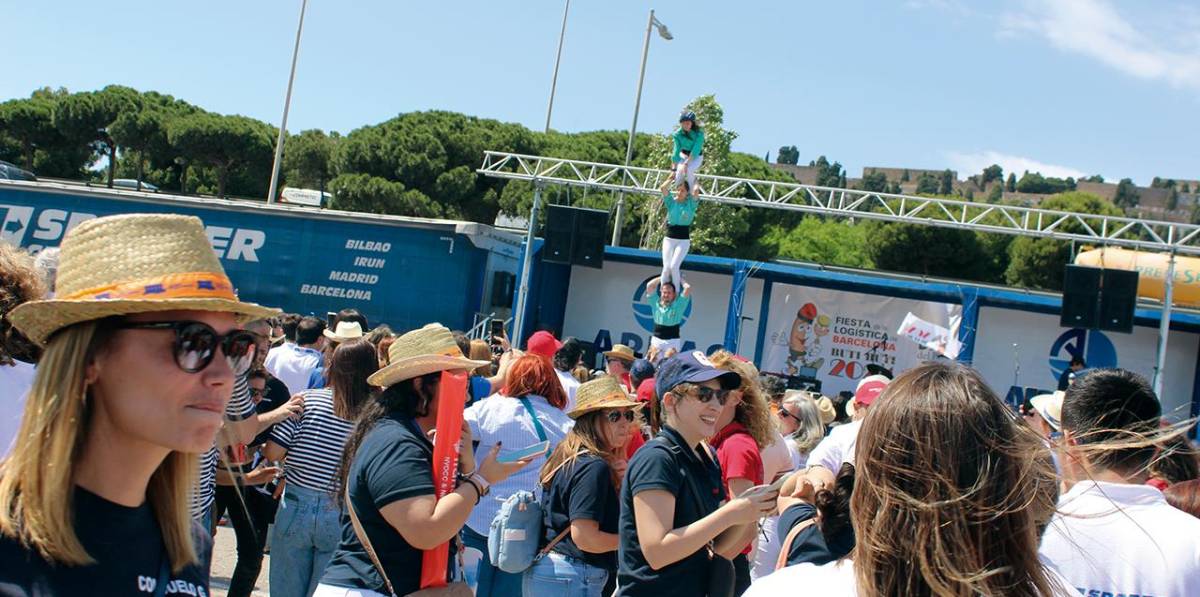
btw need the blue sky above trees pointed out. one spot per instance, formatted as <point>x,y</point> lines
<point>1068,87</point>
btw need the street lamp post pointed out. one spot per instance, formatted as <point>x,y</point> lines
<point>287,102</point>
<point>558,58</point>
<point>665,34</point>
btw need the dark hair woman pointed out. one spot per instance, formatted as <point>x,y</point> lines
<point>387,473</point>
<point>142,347</point>
<point>580,481</point>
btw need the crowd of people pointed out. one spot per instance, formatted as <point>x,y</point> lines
<point>145,405</point>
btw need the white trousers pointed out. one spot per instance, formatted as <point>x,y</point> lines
<point>692,166</point>
<point>673,252</point>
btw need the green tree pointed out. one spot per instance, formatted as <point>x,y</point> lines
<point>144,132</point>
<point>905,177</point>
<point>1126,195</point>
<point>828,174</point>
<point>1092,178</point>
<point>996,193</point>
<point>927,184</point>
<point>819,240</point>
<point>30,123</point>
<point>1034,182</point>
<point>875,182</point>
<point>222,142</point>
<point>1011,184</point>
<point>990,174</point>
<point>308,159</point>
<point>927,250</point>
<point>372,194</point>
<point>946,182</point>
<point>1038,262</point>
<point>788,154</point>
<point>85,118</point>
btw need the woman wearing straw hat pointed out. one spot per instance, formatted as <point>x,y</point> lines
<point>387,473</point>
<point>141,348</point>
<point>580,481</point>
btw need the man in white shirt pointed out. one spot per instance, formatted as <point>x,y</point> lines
<point>293,364</point>
<point>838,447</point>
<point>1114,535</point>
<point>566,358</point>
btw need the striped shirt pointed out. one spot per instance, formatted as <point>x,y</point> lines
<point>239,408</point>
<point>314,442</point>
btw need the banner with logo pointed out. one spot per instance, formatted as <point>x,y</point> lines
<point>606,306</point>
<point>833,335</point>
<point>1023,354</point>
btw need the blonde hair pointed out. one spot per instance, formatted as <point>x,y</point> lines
<point>585,437</point>
<point>809,430</point>
<point>753,412</point>
<point>37,480</point>
<point>481,351</point>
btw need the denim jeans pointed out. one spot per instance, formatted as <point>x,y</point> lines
<point>307,530</point>
<point>563,576</point>
<point>486,579</point>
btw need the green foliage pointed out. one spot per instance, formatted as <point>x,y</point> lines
<point>373,194</point>
<point>820,240</point>
<point>225,143</point>
<point>1126,195</point>
<point>927,184</point>
<point>85,119</point>
<point>992,173</point>
<point>996,193</point>
<point>1092,178</point>
<point>829,174</point>
<point>875,182</point>
<point>308,159</point>
<point>143,132</point>
<point>1011,184</point>
<point>788,154</point>
<point>946,182</point>
<point>930,251</point>
<point>29,123</point>
<point>1038,263</point>
<point>906,177</point>
<point>1034,182</point>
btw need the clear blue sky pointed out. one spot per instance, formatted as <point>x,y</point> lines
<point>1068,86</point>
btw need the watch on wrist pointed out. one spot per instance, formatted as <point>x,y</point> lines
<point>480,483</point>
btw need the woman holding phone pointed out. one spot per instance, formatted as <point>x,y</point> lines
<point>387,474</point>
<point>142,345</point>
<point>677,532</point>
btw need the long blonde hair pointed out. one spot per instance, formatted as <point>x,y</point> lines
<point>950,491</point>
<point>585,437</point>
<point>753,412</point>
<point>37,480</point>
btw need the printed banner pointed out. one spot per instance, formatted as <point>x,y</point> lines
<point>832,335</point>
<point>452,397</point>
<point>930,335</point>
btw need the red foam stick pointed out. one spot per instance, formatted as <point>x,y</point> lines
<point>452,396</point>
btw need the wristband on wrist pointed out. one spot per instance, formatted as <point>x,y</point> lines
<point>480,483</point>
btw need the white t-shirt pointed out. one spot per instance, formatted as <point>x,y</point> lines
<point>293,365</point>
<point>15,382</point>
<point>837,447</point>
<point>836,579</point>
<point>776,458</point>
<point>569,385</point>
<point>1119,539</point>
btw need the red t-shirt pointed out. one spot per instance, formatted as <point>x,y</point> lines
<point>738,456</point>
<point>635,442</point>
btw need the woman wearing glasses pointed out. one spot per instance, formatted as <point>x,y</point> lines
<point>580,481</point>
<point>141,350</point>
<point>676,530</point>
<point>800,422</point>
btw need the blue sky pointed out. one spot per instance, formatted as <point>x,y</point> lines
<point>1061,86</point>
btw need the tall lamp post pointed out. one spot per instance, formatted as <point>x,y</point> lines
<point>557,59</point>
<point>287,102</point>
<point>654,23</point>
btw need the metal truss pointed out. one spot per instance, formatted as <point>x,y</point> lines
<point>1171,237</point>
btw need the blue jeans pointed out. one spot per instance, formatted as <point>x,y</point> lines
<point>488,580</point>
<point>307,530</point>
<point>563,576</point>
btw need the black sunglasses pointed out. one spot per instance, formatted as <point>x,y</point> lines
<point>196,344</point>
<point>614,416</point>
<point>783,414</point>
<point>257,392</point>
<point>705,394</point>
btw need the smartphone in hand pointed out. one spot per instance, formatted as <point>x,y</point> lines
<point>524,453</point>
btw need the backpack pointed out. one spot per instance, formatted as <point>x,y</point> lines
<point>515,533</point>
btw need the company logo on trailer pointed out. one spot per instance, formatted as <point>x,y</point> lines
<point>644,314</point>
<point>1091,345</point>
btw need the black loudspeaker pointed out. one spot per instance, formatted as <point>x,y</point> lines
<point>1081,289</point>
<point>560,228</point>
<point>591,226</point>
<point>575,236</point>
<point>502,289</point>
<point>1118,297</point>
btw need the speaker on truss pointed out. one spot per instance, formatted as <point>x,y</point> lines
<point>1118,298</point>
<point>1080,299</point>
<point>575,236</point>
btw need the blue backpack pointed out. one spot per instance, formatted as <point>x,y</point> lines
<point>515,533</point>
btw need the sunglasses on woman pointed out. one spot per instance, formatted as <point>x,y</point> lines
<point>614,416</point>
<point>196,344</point>
<point>783,414</point>
<point>705,394</point>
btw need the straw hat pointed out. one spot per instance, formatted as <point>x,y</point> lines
<point>421,352</point>
<point>135,263</point>
<point>622,352</point>
<point>346,330</point>
<point>826,411</point>
<point>602,392</point>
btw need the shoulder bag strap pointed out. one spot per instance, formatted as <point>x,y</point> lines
<point>164,576</point>
<point>545,550</point>
<point>366,542</point>
<point>786,546</point>
<point>533,415</point>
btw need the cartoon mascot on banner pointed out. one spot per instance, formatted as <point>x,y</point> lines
<point>804,342</point>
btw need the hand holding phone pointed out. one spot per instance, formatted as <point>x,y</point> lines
<point>524,453</point>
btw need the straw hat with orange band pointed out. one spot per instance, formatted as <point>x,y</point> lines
<point>136,263</point>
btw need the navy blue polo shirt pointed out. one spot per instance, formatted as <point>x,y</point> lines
<point>393,463</point>
<point>810,544</point>
<point>667,463</point>
<point>582,490</point>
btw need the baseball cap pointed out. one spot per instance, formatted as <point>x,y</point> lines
<point>691,367</point>
<point>645,390</point>
<point>641,369</point>
<point>869,389</point>
<point>543,344</point>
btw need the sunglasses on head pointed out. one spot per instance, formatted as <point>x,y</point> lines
<point>196,344</point>
<point>614,416</point>
<point>705,394</point>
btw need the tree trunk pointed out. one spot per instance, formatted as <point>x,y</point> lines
<point>27,148</point>
<point>222,176</point>
<point>141,161</point>
<point>112,163</point>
